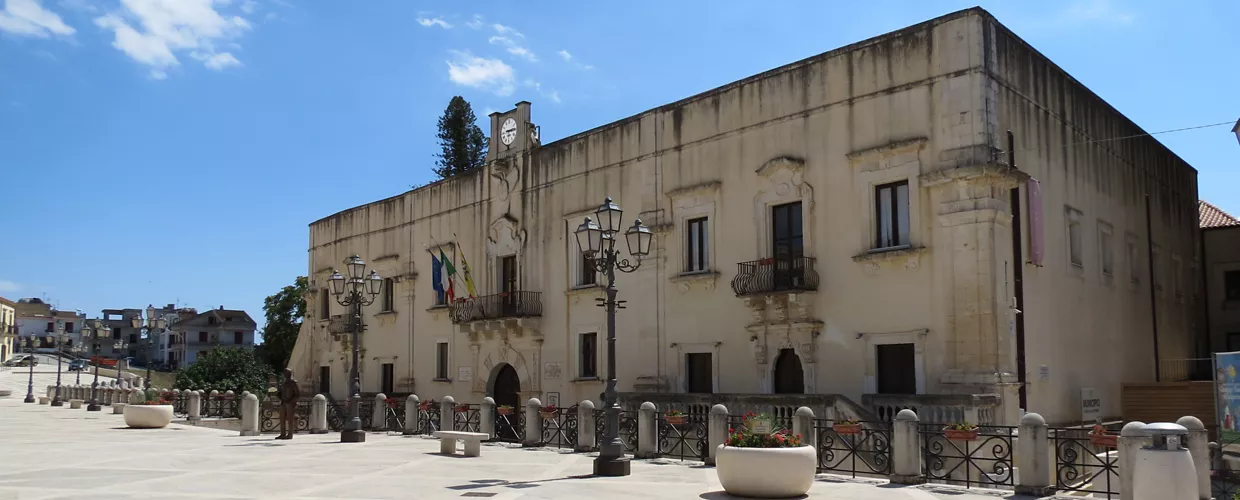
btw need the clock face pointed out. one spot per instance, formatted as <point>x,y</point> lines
<point>508,132</point>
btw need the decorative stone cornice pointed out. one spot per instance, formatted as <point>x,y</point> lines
<point>889,149</point>
<point>993,173</point>
<point>705,187</point>
<point>789,162</point>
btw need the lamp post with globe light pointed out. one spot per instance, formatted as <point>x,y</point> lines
<point>57,337</point>
<point>354,292</point>
<point>597,241</point>
<point>95,334</point>
<point>29,341</point>
<point>147,330</point>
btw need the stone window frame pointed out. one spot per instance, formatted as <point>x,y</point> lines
<point>873,340</point>
<point>573,255</point>
<point>898,161</point>
<point>599,352</point>
<point>1106,252</point>
<point>781,181</point>
<point>447,360</point>
<point>1074,217</point>
<point>1132,251</point>
<point>695,202</point>
<point>683,348</point>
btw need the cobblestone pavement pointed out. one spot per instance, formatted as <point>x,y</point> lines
<point>59,453</point>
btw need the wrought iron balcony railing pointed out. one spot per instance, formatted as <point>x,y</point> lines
<point>775,274</point>
<point>498,306</point>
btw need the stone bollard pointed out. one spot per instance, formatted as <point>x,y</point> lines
<point>486,418</point>
<point>411,415</point>
<point>378,417</point>
<point>1131,439</point>
<point>136,397</point>
<point>585,427</point>
<point>447,413</point>
<point>716,431</point>
<point>647,432</point>
<point>228,408</point>
<point>533,423</point>
<point>75,404</point>
<point>318,415</point>
<point>905,449</point>
<point>1199,447</point>
<point>118,409</point>
<point>212,398</point>
<point>803,425</point>
<point>249,415</point>
<point>193,407</point>
<point>1033,457</point>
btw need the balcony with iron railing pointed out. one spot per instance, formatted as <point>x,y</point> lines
<point>504,305</point>
<point>775,275</point>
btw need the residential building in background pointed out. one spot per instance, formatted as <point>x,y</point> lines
<point>8,328</point>
<point>855,224</point>
<point>195,334</point>
<point>1220,240</point>
<point>37,318</point>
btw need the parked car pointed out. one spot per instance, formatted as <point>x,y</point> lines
<point>22,360</point>
<point>77,365</point>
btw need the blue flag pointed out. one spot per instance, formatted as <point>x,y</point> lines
<point>436,275</point>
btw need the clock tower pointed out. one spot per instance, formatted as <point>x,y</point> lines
<point>512,133</point>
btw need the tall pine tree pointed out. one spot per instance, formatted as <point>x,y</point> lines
<point>463,146</point>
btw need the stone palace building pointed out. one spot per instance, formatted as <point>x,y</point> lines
<point>854,224</point>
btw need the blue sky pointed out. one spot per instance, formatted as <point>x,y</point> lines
<point>157,151</point>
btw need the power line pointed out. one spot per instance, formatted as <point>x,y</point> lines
<point>1148,134</point>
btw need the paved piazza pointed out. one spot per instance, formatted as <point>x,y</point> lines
<point>58,453</point>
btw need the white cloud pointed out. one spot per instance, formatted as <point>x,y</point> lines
<point>565,55</point>
<point>554,96</point>
<point>514,48</point>
<point>249,6</point>
<point>163,27</point>
<point>434,22</point>
<point>29,18</point>
<point>475,23</point>
<point>505,30</point>
<point>481,73</point>
<point>7,286</point>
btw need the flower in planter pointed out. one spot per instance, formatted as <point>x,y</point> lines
<point>674,413</point>
<point>391,402</point>
<point>426,405</point>
<point>504,409</point>
<point>746,437</point>
<point>963,427</point>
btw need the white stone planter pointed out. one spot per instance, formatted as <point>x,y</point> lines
<point>766,472</point>
<point>148,416</point>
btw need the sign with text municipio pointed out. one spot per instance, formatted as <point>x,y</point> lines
<point>1091,405</point>
<point>760,425</point>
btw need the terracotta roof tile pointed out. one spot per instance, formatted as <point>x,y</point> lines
<point>1211,216</point>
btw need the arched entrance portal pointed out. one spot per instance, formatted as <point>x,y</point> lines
<point>505,387</point>
<point>789,379</point>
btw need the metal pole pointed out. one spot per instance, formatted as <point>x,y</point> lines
<point>30,382</point>
<point>94,357</point>
<point>59,360</point>
<point>1149,249</point>
<point>611,460</point>
<point>353,432</point>
<point>150,356</point>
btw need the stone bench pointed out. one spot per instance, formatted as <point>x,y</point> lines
<point>75,404</point>
<point>472,440</point>
<point>44,400</point>
<point>118,409</point>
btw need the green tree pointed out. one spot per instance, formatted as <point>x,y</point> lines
<point>463,146</point>
<point>226,368</point>
<point>284,311</point>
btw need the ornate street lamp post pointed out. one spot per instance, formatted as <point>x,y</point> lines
<point>598,242</point>
<point>58,338</point>
<point>356,291</point>
<point>77,350</point>
<point>148,330</point>
<point>118,348</point>
<point>29,340</point>
<point>99,332</point>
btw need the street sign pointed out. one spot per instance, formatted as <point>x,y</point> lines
<point>1091,405</point>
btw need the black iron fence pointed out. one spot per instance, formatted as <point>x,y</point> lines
<point>519,304</point>
<point>627,431</point>
<point>510,426</point>
<point>1224,480</point>
<point>853,448</point>
<point>775,274</point>
<point>982,457</point>
<point>1085,463</point>
<point>467,418</point>
<point>269,416</point>
<point>559,428</point>
<point>682,436</point>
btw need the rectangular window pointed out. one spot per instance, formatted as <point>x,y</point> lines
<point>1134,260</point>
<point>891,215</point>
<point>202,336</point>
<point>133,338</point>
<point>1231,285</point>
<point>69,327</point>
<point>441,298</point>
<point>895,366</point>
<point>238,337</point>
<point>1105,242</point>
<point>441,361</point>
<point>388,370</point>
<point>508,274</point>
<point>1074,238</point>
<point>697,246</point>
<point>325,380</point>
<point>324,304</point>
<point>587,355</point>
<point>786,235</point>
<point>388,295</point>
<point>699,373</point>
<point>51,326</point>
<point>587,275</point>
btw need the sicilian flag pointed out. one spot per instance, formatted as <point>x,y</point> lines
<point>469,282</point>
<point>436,274</point>
<point>447,277</point>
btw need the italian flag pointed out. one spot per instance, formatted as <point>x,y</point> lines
<point>448,276</point>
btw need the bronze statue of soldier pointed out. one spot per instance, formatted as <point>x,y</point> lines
<point>289,393</point>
